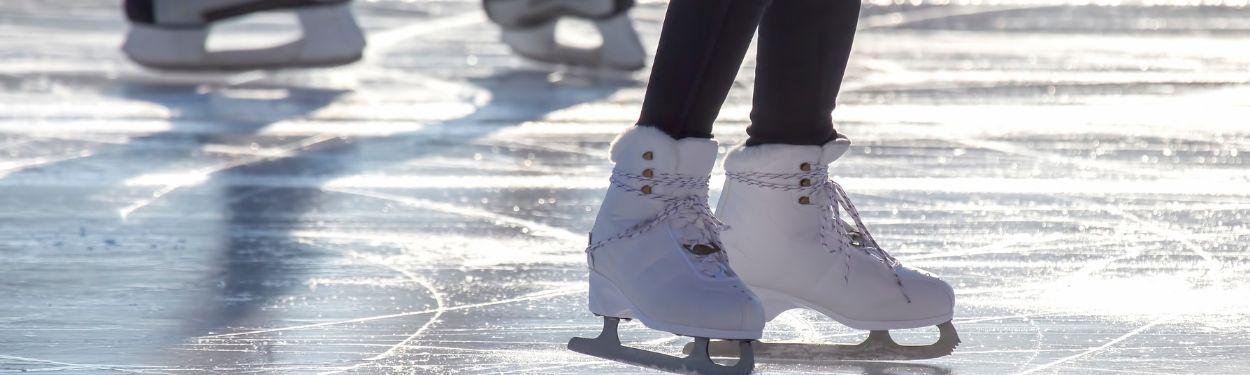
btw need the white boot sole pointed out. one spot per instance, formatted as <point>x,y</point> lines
<point>607,300</point>
<point>776,303</point>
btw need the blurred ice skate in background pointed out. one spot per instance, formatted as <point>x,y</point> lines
<point>174,34</point>
<point>178,34</point>
<point>531,29</point>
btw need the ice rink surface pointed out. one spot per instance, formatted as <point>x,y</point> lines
<point>1079,172</point>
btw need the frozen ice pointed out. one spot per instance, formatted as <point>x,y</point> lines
<point>1077,170</point>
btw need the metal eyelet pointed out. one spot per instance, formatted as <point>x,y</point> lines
<point>806,167</point>
<point>648,155</point>
<point>805,200</point>
<point>702,249</point>
<point>648,173</point>
<point>646,189</point>
<point>805,182</point>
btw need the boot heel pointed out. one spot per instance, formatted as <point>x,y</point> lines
<point>606,300</point>
<point>774,303</point>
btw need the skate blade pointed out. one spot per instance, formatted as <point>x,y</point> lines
<point>879,346</point>
<point>233,67</point>
<point>608,346</point>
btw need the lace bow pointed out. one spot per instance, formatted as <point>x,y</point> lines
<point>689,213</point>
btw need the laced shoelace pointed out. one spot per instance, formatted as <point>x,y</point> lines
<point>690,211</point>
<point>837,201</point>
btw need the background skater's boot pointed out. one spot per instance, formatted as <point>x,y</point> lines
<point>655,256</point>
<point>789,243</point>
<point>173,35</point>
<point>529,28</point>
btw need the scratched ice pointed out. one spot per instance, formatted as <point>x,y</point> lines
<point>1077,170</point>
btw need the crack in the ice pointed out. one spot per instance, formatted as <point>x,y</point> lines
<point>1096,349</point>
<point>439,303</point>
<point>529,297</point>
<point>197,177</point>
<point>535,228</point>
<point>71,366</point>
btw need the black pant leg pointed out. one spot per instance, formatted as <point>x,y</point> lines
<point>701,49</point>
<point>802,52</point>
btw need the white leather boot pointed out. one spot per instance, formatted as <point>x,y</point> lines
<point>655,255</point>
<point>789,243</point>
<point>651,255</point>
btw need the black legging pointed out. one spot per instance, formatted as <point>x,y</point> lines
<point>802,53</point>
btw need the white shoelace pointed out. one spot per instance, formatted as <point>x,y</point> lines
<point>691,213</point>
<point>837,201</point>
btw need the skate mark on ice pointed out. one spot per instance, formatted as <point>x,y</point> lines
<point>1214,268</point>
<point>803,328</point>
<point>1121,348</point>
<point>998,318</point>
<point>1000,247</point>
<point>498,139</point>
<point>994,185</point>
<point>535,228</point>
<point>549,368</point>
<point>457,182</point>
<point>896,19</point>
<point>528,297</point>
<point>1038,336</point>
<point>440,304</point>
<point>382,42</point>
<point>18,319</point>
<point>8,168</point>
<point>1074,369</point>
<point>202,175</point>
<point>1105,165</point>
<point>387,40</point>
<point>1096,349</point>
<point>80,366</point>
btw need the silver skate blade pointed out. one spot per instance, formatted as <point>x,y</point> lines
<point>198,67</point>
<point>878,347</point>
<point>608,346</point>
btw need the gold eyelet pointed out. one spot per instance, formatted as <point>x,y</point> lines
<point>805,182</point>
<point>806,167</point>
<point>648,155</point>
<point>647,173</point>
<point>646,189</point>
<point>702,249</point>
<point>805,200</point>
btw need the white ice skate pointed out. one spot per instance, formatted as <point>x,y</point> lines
<point>173,35</point>
<point>789,243</point>
<point>530,30</point>
<point>655,256</point>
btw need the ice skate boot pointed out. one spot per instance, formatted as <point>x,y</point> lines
<point>173,35</point>
<point>654,256</point>
<point>789,243</point>
<point>529,28</point>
